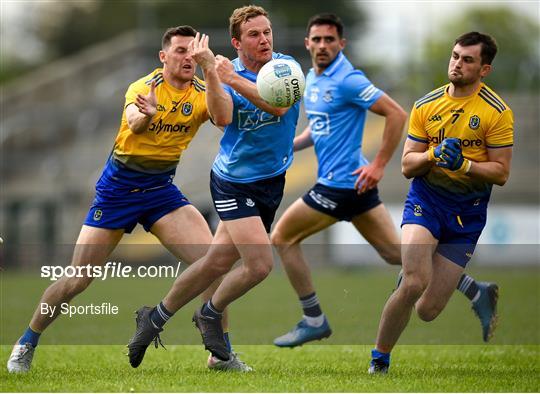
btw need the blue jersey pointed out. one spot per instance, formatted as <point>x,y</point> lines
<point>336,103</point>
<point>256,145</point>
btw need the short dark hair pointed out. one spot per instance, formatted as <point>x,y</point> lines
<point>185,31</point>
<point>489,45</point>
<point>326,19</point>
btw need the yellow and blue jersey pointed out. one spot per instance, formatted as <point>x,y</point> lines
<point>481,121</point>
<point>180,113</point>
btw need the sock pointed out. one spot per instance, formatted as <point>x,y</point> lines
<point>227,341</point>
<point>209,310</point>
<point>384,357</point>
<point>160,315</point>
<point>468,286</point>
<point>310,305</point>
<point>314,321</point>
<point>30,336</point>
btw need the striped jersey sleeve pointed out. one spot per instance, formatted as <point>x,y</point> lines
<point>501,131</point>
<point>359,90</point>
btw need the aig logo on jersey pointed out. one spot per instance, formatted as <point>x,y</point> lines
<point>474,122</point>
<point>319,122</point>
<point>187,109</point>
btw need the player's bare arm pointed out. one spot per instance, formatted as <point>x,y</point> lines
<point>246,88</point>
<point>496,170</point>
<point>370,175</point>
<point>218,101</point>
<point>140,113</point>
<point>415,160</point>
<point>303,140</point>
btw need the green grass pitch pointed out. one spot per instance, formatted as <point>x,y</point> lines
<point>87,354</point>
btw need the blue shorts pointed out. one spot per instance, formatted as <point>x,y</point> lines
<point>457,232</point>
<point>125,197</point>
<point>234,200</point>
<point>342,204</point>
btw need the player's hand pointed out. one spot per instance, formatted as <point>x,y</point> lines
<point>225,69</point>
<point>200,52</point>
<point>147,105</point>
<point>368,177</point>
<point>450,155</point>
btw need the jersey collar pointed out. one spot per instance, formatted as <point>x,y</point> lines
<point>334,66</point>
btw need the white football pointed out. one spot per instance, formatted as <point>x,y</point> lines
<point>281,82</point>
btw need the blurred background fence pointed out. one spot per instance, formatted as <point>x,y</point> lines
<point>66,67</point>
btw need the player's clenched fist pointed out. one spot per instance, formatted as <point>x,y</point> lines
<point>225,69</point>
<point>448,155</point>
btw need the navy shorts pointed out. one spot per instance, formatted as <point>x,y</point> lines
<point>342,204</point>
<point>234,200</point>
<point>457,232</point>
<point>125,197</point>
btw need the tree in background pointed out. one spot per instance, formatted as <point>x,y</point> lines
<point>517,64</point>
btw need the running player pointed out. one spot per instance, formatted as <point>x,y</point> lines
<point>459,145</point>
<point>247,181</point>
<point>337,98</point>
<point>162,113</point>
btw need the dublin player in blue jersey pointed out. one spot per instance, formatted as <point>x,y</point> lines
<point>455,161</point>
<point>247,181</point>
<point>336,99</point>
<point>136,184</point>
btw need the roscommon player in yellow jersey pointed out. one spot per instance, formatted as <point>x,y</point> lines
<point>162,113</point>
<point>459,145</point>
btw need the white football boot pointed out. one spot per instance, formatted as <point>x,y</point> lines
<point>21,357</point>
<point>233,364</point>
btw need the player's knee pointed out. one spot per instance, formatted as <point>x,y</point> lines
<point>427,312</point>
<point>412,288</point>
<point>279,240</point>
<point>259,272</point>
<point>218,266</point>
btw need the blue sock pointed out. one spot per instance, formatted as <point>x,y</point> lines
<point>384,357</point>
<point>30,336</point>
<point>209,310</point>
<point>160,315</point>
<point>227,341</point>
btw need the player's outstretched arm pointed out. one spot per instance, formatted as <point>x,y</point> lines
<point>303,140</point>
<point>395,117</point>
<point>246,88</point>
<point>140,113</point>
<point>219,102</point>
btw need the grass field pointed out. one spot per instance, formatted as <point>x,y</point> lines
<point>86,353</point>
<point>338,368</point>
